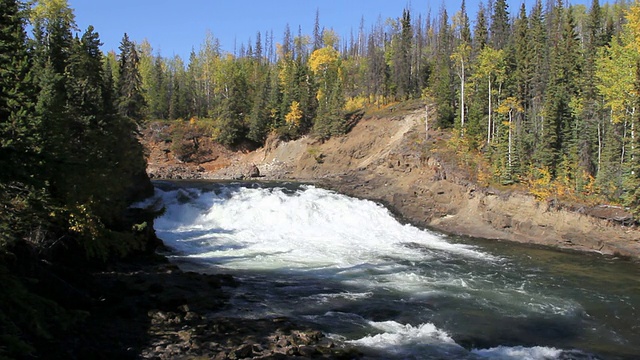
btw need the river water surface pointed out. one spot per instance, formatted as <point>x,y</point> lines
<point>349,268</point>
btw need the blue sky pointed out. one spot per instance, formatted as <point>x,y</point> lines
<point>175,27</point>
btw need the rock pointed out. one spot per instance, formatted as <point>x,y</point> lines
<point>254,172</point>
<point>308,351</point>
<point>184,335</point>
<point>221,356</point>
<point>242,352</point>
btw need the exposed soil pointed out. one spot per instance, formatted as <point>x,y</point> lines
<point>389,159</point>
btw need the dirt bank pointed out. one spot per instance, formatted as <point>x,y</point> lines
<point>389,159</point>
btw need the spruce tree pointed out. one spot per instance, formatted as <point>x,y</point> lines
<point>19,138</point>
<point>565,64</point>
<point>480,31</point>
<point>158,91</point>
<point>591,111</point>
<point>442,84</point>
<point>130,102</point>
<point>500,28</point>
<point>258,122</point>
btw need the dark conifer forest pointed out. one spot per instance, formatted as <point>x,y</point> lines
<point>70,162</point>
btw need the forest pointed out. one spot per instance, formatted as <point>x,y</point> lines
<point>544,96</point>
<point>70,165</point>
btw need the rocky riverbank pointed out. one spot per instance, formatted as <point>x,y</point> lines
<point>150,309</point>
<point>392,160</point>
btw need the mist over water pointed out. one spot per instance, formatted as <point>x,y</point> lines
<point>349,268</point>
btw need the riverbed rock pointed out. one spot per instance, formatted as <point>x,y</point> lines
<point>254,172</point>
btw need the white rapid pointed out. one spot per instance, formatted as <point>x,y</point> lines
<point>349,267</point>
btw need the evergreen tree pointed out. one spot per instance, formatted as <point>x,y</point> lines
<point>539,55</point>
<point>23,205</point>
<point>230,128</point>
<point>108,87</point>
<point>158,101</point>
<point>480,31</point>
<point>317,32</point>
<point>178,98</point>
<point>590,112</point>
<point>52,23</point>
<point>465,30</point>
<point>565,64</point>
<point>401,70</point>
<point>258,122</point>
<point>130,101</point>
<point>19,127</point>
<point>520,81</point>
<point>500,28</point>
<point>442,85</point>
<point>377,68</point>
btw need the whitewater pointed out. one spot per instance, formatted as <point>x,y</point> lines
<point>348,267</point>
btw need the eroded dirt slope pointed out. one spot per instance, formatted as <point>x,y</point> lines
<point>390,160</point>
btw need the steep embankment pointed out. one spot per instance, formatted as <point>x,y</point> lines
<point>388,159</point>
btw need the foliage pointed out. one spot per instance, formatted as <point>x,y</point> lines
<point>294,116</point>
<point>355,103</point>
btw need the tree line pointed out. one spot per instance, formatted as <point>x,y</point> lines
<point>546,94</point>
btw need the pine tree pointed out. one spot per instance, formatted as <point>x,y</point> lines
<point>157,93</point>
<point>130,101</point>
<point>465,30</point>
<point>480,31</point>
<point>18,126</point>
<point>442,85</point>
<point>500,27</point>
<point>178,103</point>
<point>559,128</point>
<point>317,32</point>
<point>591,109</point>
<point>258,122</point>
<point>53,43</point>
<point>23,204</point>
<point>520,82</point>
<point>230,127</point>
<point>401,70</point>
<point>377,68</point>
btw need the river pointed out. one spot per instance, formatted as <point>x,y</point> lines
<point>347,267</point>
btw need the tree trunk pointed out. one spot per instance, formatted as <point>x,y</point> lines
<point>489,124</point>
<point>426,122</point>
<point>462,80</point>
<point>509,151</point>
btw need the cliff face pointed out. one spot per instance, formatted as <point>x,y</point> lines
<point>391,160</point>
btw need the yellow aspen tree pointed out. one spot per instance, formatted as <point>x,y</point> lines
<point>294,116</point>
<point>490,67</point>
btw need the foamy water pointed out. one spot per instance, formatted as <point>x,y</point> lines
<point>349,267</point>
